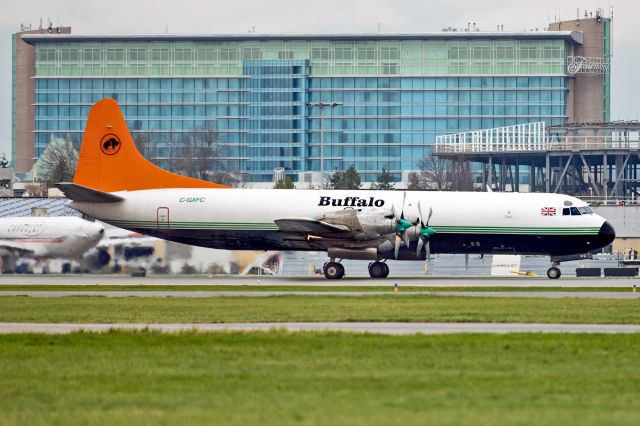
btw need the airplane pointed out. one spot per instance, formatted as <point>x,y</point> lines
<point>114,183</point>
<point>45,237</point>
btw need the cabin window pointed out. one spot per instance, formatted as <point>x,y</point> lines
<point>566,211</point>
<point>575,211</point>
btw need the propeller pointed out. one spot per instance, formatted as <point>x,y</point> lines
<point>402,225</point>
<point>425,233</point>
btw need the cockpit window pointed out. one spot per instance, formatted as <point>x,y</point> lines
<point>585,210</point>
<point>566,211</point>
<point>575,211</point>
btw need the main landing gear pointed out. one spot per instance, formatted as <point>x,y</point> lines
<point>333,270</point>
<point>378,270</point>
<point>554,272</point>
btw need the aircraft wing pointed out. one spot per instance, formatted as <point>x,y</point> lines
<point>10,247</point>
<point>303,225</point>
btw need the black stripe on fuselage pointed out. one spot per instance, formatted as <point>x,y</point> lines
<point>555,245</point>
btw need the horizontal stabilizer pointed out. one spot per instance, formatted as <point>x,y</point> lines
<point>88,195</point>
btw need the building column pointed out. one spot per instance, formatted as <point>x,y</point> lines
<point>490,176</point>
<point>532,177</point>
<point>547,178</point>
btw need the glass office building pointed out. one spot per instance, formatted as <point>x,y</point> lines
<point>251,93</point>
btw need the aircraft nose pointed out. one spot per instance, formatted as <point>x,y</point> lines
<point>606,235</point>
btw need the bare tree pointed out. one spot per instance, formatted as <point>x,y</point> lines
<point>197,154</point>
<point>144,145</point>
<point>438,174</point>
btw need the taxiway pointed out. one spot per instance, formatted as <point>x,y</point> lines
<point>393,328</point>
<point>414,281</point>
<point>206,294</point>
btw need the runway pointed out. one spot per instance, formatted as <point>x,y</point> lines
<point>391,328</point>
<point>209,294</point>
<point>414,281</point>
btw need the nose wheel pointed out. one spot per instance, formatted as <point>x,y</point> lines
<point>333,270</point>
<point>378,270</point>
<point>553,273</point>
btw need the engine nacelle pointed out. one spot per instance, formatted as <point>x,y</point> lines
<point>377,223</point>
<point>386,250</point>
<point>355,254</point>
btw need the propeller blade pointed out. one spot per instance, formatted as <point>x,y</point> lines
<point>430,213</point>
<point>428,252</point>
<point>466,261</point>
<point>419,249</point>
<point>404,198</point>
<point>405,237</point>
<point>397,249</point>
<point>420,212</point>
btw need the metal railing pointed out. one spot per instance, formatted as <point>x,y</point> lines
<point>610,200</point>
<point>529,137</point>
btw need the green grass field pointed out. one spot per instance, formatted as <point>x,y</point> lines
<point>422,308</point>
<point>318,378</point>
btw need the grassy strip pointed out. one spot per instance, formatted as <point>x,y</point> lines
<point>422,308</point>
<point>314,288</point>
<point>318,378</point>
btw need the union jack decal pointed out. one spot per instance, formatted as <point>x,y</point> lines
<point>548,211</point>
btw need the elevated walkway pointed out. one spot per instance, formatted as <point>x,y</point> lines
<point>597,160</point>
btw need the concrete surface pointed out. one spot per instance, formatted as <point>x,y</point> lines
<point>426,281</point>
<point>393,328</point>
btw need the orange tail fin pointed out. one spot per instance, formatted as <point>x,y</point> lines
<point>109,160</point>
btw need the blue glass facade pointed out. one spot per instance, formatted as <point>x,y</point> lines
<point>164,110</point>
<point>262,122</point>
<point>251,96</point>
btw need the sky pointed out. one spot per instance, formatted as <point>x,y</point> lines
<point>326,16</point>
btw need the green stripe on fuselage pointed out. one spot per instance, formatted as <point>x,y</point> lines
<point>248,226</point>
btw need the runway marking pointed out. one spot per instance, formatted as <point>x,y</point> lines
<point>392,328</point>
<point>208,294</point>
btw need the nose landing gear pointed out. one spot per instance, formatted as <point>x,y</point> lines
<point>554,272</point>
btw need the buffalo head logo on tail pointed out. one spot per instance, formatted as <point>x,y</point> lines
<point>110,144</point>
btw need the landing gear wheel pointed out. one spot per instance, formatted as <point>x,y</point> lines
<point>553,273</point>
<point>333,270</point>
<point>378,270</point>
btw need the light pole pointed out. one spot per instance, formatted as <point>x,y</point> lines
<point>322,106</point>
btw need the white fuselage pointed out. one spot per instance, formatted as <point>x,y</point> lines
<point>48,237</point>
<point>245,218</point>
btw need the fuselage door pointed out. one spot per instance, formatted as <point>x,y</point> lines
<point>162,218</point>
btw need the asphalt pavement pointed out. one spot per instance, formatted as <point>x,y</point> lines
<point>426,281</point>
<point>209,294</point>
